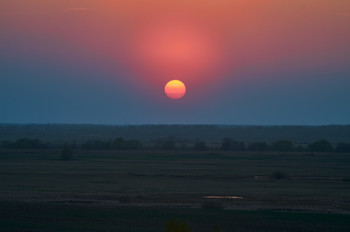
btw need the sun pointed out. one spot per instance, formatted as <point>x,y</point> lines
<point>175,89</point>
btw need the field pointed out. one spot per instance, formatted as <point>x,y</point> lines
<point>141,190</point>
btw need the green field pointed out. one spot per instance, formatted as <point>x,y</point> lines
<point>141,190</point>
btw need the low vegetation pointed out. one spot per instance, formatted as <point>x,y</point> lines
<point>176,225</point>
<point>66,153</point>
<point>108,190</point>
<point>320,146</point>
<point>278,175</point>
<point>212,205</point>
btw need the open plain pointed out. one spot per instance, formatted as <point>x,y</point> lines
<point>233,191</point>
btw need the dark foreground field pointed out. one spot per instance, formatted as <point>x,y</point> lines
<point>141,190</point>
<point>79,217</point>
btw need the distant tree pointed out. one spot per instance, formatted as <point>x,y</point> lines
<point>66,153</point>
<point>24,143</point>
<point>96,145</point>
<point>237,146</point>
<point>7,144</point>
<point>343,147</point>
<point>226,144</point>
<point>321,146</point>
<point>73,145</point>
<point>119,144</point>
<point>258,146</point>
<point>133,144</point>
<point>184,147</point>
<point>300,148</point>
<point>168,144</point>
<point>229,145</point>
<point>176,226</point>
<point>282,145</point>
<point>102,145</point>
<point>199,145</point>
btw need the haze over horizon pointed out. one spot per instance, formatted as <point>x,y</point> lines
<point>243,62</point>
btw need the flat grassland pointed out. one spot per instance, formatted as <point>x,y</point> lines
<point>141,190</point>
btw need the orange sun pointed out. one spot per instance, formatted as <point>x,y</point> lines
<point>175,89</point>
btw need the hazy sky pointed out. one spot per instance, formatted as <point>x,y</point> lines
<point>107,61</point>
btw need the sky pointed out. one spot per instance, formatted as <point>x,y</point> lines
<point>244,62</point>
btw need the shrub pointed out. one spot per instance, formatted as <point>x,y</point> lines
<point>124,199</point>
<point>212,205</point>
<point>278,175</point>
<point>176,226</point>
<point>66,153</point>
<point>217,228</point>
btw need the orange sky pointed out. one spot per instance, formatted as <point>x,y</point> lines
<point>196,41</point>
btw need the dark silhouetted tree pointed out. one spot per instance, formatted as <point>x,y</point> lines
<point>7,144</point>
<point>343,147</point>
<point>300,148</point>
<point>199,145</point>
<point>96,145</point>
<point>168,144</point>
<point>282,145</point>
<point>133,144</point>
<point>119,144</point>
<point>226,144</point>
<point>237,146</point>
<point>66,153</point>
<point>229,145</point>
<point>321,146</point>
<point>185,147</point>
<point>24,143</point>
<point>258,146</point>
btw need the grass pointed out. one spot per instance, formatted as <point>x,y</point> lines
<point>129,190</point>
<point>76,217</point>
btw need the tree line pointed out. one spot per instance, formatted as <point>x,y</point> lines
<point>83,132</point>
<point>170,143</point>
<point>285,145</point>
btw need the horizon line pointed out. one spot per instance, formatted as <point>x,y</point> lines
<point>174,124</point>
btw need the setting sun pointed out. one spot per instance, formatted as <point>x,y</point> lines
<point>175,89</point>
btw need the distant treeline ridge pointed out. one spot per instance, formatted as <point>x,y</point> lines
<point>81,133</point>
<point>170,143</point>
